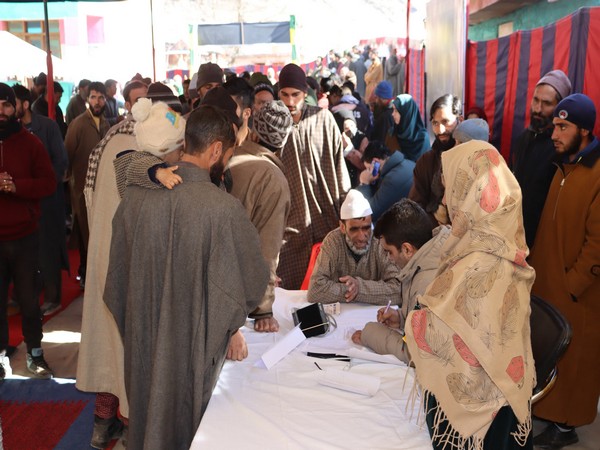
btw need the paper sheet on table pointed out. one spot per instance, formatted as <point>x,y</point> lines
<point>371,356</point>
<point>283,347</point>
<point>349,381</point>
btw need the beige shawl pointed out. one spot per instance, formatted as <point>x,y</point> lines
<point>471,341</point>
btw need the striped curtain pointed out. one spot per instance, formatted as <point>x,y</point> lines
<point>501,73</point>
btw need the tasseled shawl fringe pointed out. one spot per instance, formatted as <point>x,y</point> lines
<point>451,439</point>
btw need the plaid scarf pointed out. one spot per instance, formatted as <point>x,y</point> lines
<point>125,127</point>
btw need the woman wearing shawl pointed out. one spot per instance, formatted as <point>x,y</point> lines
<point>470,342</point>
<point>409,130</point>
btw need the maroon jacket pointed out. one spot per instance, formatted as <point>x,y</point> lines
<point>23,157</point>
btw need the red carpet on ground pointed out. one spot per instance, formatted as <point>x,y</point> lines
<point>70,291</point>
<point>42,424</point>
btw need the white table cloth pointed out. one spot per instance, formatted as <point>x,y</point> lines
<point>286,408</point>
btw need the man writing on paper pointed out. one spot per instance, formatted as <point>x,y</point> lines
<point>405,235</point>
<point>352,266</point>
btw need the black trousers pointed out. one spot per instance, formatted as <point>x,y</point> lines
<point>19,263</point>
<point>498,436</point>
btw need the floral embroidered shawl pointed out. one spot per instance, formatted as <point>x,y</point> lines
<point>470,342</point>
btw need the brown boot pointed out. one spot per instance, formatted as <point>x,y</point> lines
<point>105,430</point>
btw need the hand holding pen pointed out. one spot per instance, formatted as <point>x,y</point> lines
<point>388,316</point>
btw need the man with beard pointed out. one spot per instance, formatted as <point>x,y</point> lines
<point>313,157</point>
<point>257,181</point>
<point>352,266</point>
<point>427,189</point>
<point>202,274</point>
<point>532,157</point>
<point>77,105</point>
<point>83,134</point>
<point>53,249</point>
<point>26,176</point>
<point>382,114</point>
<point>566,259</point>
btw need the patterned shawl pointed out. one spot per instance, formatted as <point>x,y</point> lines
<point>471,341</point>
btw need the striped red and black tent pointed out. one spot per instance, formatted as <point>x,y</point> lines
<point>502,73</point>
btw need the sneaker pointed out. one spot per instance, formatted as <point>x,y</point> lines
<point>38,366</point>
<point>5,369</point>
<point>50,308</point>
<point>105,430</point>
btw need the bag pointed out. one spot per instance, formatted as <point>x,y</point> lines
<point>312,319</point>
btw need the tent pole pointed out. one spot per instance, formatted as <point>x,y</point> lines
<point>50,74</point>
<point>407,57</point>
<point>153,47</point>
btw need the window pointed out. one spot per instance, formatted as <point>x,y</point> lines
<point>32,31</point>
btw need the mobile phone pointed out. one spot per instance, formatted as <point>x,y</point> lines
<point>375,171</point>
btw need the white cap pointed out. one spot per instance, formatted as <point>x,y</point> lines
<point>355,206</point>
<point>158,129</point>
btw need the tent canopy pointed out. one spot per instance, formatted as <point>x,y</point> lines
<point>23,59</point>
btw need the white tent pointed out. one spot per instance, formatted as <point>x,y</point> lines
<point>21,59</point>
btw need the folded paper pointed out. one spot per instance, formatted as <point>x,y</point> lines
<point>283,347</point>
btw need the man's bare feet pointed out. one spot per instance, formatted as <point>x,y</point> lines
<point>266,325</point>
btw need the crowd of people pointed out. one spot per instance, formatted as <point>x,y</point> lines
<point>173,201</point>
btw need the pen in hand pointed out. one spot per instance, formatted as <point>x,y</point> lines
<point>387,308</point>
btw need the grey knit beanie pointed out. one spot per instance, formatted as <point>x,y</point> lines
<point>559,81</point>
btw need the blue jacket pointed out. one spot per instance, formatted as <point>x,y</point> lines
<point>393,184</point>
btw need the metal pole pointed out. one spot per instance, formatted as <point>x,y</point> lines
<point>50,74</point>
<point>153,47</point>
<point>407,78</point>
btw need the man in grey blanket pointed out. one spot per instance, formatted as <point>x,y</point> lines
<point>185,269</point>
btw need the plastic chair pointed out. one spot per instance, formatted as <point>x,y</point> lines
<point>550,337</point>
<point>311,265</point>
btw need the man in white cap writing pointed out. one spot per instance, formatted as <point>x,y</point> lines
<point>352,266</point>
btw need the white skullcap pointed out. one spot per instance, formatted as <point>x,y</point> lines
<point>355,206</point>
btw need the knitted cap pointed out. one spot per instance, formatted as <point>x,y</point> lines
<point>355,206</point>
<point>292,76</point>
<point>559,81</point>
<point>263,87</point>
<point>7,94</point>
<point>220,98</point>
<point>384,90</point>
<point>578,109</point>
<point>158,130</point>
<point>209,73</point>
<point>273,124</point>
<point>472,129</point>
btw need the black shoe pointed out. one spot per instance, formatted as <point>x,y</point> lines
<point>105,430</point>
<point>553,439</point>
<point>38,366</point>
